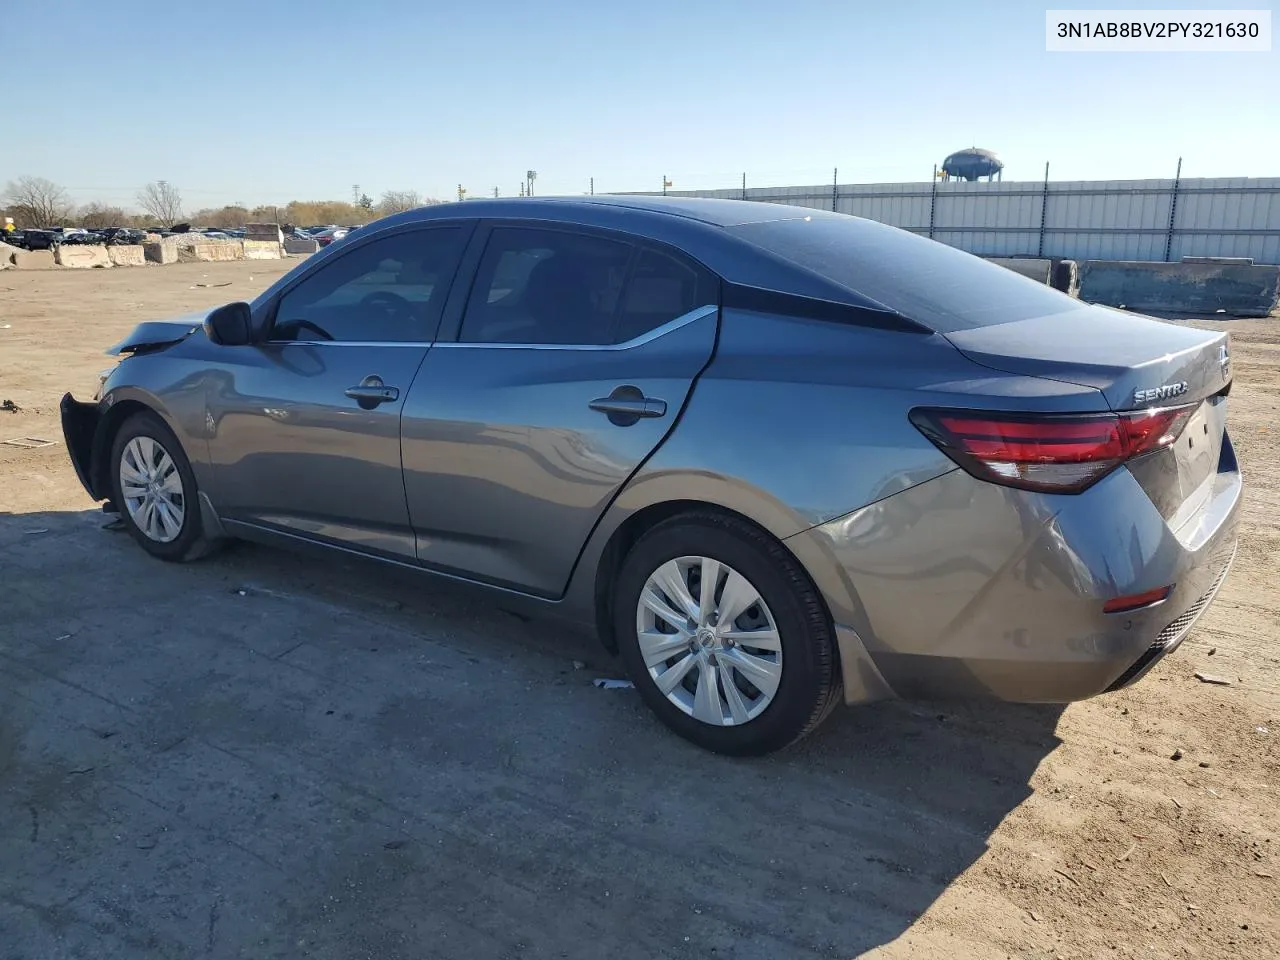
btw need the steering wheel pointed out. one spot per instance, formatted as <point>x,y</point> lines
<point>318,330</point>
<point>391,303</point>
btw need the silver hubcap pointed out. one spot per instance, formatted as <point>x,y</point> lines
<point>151,487</point>
<point>709,641</point>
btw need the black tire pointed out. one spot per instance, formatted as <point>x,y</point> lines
<point>810,685</point>
<point>190,542</point>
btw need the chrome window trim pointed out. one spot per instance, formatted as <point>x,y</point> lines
<point>662,330</point>
<point>346,343</point>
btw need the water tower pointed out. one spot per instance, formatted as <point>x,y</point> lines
<point>972,164</point>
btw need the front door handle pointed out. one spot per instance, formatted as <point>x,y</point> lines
<point>626,405</point>
<point>371,391</point>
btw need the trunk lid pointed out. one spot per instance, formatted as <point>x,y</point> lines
<point>1135,362</point>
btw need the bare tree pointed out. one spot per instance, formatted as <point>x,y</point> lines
<point>398,201</point>
<point>38,202</point>
<point>162,200</point>
<point>96,216</point>
<point>233,215</point>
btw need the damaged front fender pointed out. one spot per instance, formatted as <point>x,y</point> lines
<point>157,334</point>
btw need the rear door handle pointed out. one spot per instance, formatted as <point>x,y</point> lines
<point>627,405</point>
<point>371,391</point>
<point>643,407</point>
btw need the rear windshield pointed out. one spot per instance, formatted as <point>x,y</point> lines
<point>939,286</point>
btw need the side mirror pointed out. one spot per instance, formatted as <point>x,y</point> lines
<point>230,325</point>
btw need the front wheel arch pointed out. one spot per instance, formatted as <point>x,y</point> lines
<point>196,539</point>
<point>105,437</point>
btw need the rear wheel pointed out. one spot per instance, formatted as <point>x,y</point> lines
<point>724,635</point>
<point>155,490</point>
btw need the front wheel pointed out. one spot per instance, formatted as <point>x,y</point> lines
<point>725,636</point>
<point>155,490</point>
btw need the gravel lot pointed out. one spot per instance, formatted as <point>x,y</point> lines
<point>267,756</point>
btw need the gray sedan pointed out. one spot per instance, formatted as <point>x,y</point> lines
<point>778,458</point>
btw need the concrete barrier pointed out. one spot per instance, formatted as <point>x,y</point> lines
<point>8,256</point>
<point>82,256</point>
<point>1060,274</point>
<point>211,251</point>
<point>262,250</point>
<point>34,260</point>
<point>1182,288</point>
<point>157,251</point>
<point>1034,269</point>
<point>294,245</point>
<point>270,232</point>
<point>127,255</point>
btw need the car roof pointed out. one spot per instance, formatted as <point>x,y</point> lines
<point>701,228</point>
<point>711,211</point>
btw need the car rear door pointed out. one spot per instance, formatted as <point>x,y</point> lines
<point>561,372</point>
<point>305,427</point>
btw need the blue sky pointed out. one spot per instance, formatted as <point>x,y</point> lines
<point>272,100</point>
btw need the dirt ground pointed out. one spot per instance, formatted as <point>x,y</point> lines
<point>267,756</point>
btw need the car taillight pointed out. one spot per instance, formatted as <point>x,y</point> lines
<point>1049,452</point>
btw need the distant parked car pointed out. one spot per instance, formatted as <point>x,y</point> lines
<point>38,239</point>
<point>121,235</point>
<point>81,238</point>
<point>329,235</point>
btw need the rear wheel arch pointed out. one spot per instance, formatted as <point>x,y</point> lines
<point>804,690</point>
<point>628,534</point>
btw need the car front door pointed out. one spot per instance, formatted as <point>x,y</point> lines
<point>568,366</point>
<point>305,426</point>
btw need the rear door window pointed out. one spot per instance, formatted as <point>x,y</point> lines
<point>661,288</point>
<point>541,286</point>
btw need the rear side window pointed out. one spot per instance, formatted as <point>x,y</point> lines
<point>562,287</point>
<point>939,286</point>
<point>660,289</point>
<point>546,287</point>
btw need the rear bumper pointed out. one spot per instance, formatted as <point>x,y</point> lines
<point>960,588</point>
<point>79,430</point>
<point>1171,636</point>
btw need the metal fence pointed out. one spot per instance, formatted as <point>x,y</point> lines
<point>1081,220</point>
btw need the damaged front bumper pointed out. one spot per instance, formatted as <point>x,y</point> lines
<point>80,423</point>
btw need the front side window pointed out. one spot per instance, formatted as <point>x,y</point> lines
<point>546,287</point>
<point>389,291</point>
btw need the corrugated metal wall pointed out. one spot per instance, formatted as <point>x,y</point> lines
<point>1078,219</point>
